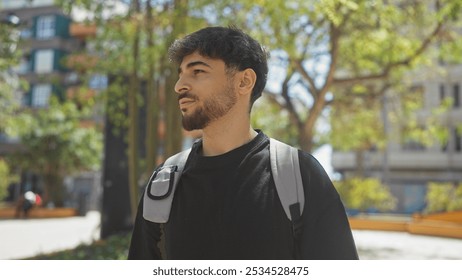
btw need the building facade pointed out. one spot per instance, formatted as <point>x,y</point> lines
<point>407,167</point>
<point>46,41</point>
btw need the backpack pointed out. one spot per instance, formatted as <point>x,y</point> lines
<point>285,169</point>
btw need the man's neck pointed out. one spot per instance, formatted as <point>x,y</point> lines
<point>223,136</point>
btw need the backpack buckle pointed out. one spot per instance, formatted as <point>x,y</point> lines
<point>161,183</point>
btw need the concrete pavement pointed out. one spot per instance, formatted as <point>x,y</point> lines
<point>389,245</point>
<point>27,238</point>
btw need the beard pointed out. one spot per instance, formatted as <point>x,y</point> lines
<point>214,107</point>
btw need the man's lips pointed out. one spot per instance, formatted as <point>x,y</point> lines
<point>184,102</point>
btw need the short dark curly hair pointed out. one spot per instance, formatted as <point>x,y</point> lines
<point>237,49</point>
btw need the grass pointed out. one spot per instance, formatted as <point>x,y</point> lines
<point>112,248</point>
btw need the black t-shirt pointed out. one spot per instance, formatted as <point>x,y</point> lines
<point>227,207</point>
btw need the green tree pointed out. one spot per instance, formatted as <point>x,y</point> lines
<point>55,145</point>
<point>442,197</point>
<point>322,48</point>
<point>7,177</point>
<point>365,193</point>
<point>10,85</point>
<point>132,50</point>
<point>9,82</point>
<point>329,45</point>
<point>133,107</point>
<point>356,122</point>
<point>267,115</point>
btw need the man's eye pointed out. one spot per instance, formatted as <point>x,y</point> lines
<point>197,71</point>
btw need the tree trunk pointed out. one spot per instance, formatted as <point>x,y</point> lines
<point>305,138</point>
<point>54,190</point>
<point>174,138</point>
<point>173,128</point>
<point>133,111</point>
<point>152,102</point>
<point>307,134</point>
<point>319,95</point>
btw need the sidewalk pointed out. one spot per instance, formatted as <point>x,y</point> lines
<point>392,245</point>
<point>27,238</point>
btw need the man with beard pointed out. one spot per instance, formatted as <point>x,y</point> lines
<point>226,205</point>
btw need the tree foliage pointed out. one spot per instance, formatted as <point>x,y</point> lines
<point>9,82</point>
<point>131,48</point>
<point>7,177</point>
<point>112,248</point>
<point>356,121</point>
<point>55,145</point>
<point>275,123</point>
<point>365,193</point>
<point>332,54</point>
<point>442,197</point>
<point>329,45</point>
<point>416,126</point>
<point>9,38</point>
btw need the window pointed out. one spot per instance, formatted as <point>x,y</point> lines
<point>412,145</point>
<point>442,95</point>
<point>22,67</point>
<point>98,81</point>
<point>41,95</point>
<point>44,61</point>
<point>45,27</point>
<point>26,33</point>
<point>413,197</point>
<point>458,140</point>
<point>456,96</point>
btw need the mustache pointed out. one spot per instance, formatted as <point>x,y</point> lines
<point>187,95</point>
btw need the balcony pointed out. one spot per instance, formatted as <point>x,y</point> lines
<point>402,160</point>
<point>81,30</point>
<point>81,62</point>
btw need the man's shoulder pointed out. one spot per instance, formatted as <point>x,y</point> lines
<point>181,154</point>
<point>304,156</point>
<point>316,181</point>
<point>309,159</point>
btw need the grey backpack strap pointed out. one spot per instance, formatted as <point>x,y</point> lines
<point>287,177</point>
<point>288,180</point>
<point>159,192</point>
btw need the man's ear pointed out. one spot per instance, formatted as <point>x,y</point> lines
<point>247,79</point>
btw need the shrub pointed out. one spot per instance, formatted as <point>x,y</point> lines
<point>112,248</point>
<point>5,178</point>
<point>365,193</point>
<point>443,197</point>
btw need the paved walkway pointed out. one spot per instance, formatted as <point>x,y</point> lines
<point>388,245</point>
<point>27,238</point>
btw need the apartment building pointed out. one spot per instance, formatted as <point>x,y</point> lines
<point>46,41</point>
<point>408,166</point>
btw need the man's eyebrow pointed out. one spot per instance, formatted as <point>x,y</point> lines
<point>194,63</point>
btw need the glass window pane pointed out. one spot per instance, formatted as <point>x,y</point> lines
<point>45,27</point>
<point>41,95</point>
<point>44,61</point>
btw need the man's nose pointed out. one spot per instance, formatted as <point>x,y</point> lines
<point>182,86</point>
